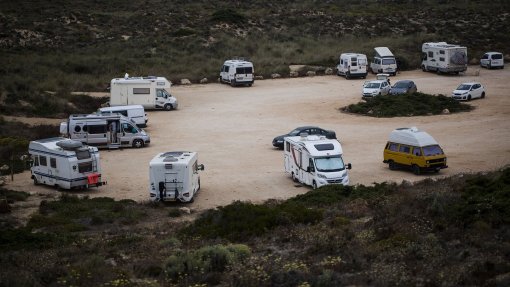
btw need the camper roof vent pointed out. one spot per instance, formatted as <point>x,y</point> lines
<point>170,159</point>
<point>172,154</point>
<point>69,144</point>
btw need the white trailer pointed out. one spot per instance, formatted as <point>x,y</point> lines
<point>237,72</point>
<point>64,163</point>
<point>136,113</point>
<point>442,57</point>
<point>384,61</point>
<point>111,131</point>
<point>150,92</point>
<point>352,65</point>
<point>315,161</point>
<point>174,176</point>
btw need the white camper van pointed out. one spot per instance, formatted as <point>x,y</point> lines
<point>134,112</point>
<point>150,92</point>
<point>174,176</point>
<point>352,65</point>
<point>384,61</point>
<point>237,72</point>
<point>112,131</point>
<point>441,57</point>
<point>315,160</point>
<point>492,60</point>
<point>64,163</point>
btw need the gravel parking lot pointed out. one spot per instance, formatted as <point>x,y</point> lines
<point>232,128</point>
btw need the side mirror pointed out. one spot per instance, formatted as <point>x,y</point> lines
<point>349,166</point>
<point>200,167</point>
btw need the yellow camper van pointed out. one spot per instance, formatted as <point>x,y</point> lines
<point>415,149</point>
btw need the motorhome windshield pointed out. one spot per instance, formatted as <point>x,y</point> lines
<point>432,150</point>
<point>329,164</point>
<point>388,61</point>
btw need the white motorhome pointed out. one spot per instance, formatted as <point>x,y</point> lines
<point>352,65</point>
<point>134,112</point>
<point>315,160</point>
<point>442,57</point>
<point>64,163</point>
<point>383,61</point>
<point>237,72</point>
<point>174,176</point>
<point>150,92</point>
<point>111,131</point>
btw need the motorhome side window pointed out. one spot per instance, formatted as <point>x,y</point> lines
<point>393,147</point>
<point>417,151</point>
<point>441,59</point>
<point>53,162</point>
<point>42,161</point>
<point>97,129</point>
<point>162,93</point>
<point>431,54</point>
<point>36,160</point>
<point>244,70</point>
<point>141,91</point>
<point>82,154</point>
<point>404,149</point>
<point>353,62</point>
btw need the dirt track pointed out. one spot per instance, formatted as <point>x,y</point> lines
<point>232,129</point>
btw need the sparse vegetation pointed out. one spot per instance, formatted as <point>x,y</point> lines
<point>451,231</point>
<point>406,105</point>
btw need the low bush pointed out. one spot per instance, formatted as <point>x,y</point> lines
<point>242,220</point>
<point>406,105</point>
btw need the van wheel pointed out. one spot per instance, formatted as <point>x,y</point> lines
<point>314,185</point>
<point>483,95</point>
<point>138,143</point>
<point>192,199</point>
<point>416,169</point>
<point>294,178</point>
<point>35,181</point>
<point>392,165</point>
<point>169,107</point>
<point>347,75</point>
<point>233,83</point>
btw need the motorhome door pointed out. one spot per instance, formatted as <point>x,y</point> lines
<point>161,97</point>
<point>128,131</point>
<point>112,134</point>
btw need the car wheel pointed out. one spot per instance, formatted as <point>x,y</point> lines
<point>169,107</point>
<point>294,178</point>
<point>483,95</point>
<point>416,169</point>
<point>35,181</point>
<point>392,165</point>
<point>469,98</point>
<point>137,143</point>
<point>233,83</point>
<point>314,185</point>
<point>347,75</point>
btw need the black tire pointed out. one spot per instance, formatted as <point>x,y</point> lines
<point>138,143</point>
<point>469,98</point>
<point>437,170</point>
<point>347,75</point>
<point>233,83</point>
<point>314,185</point>
<point>483,95</point>
<point>416,169</point>
<point>294,178</point>
<point>35,181</point>
<point>169,107</point>
<point>392,165</point>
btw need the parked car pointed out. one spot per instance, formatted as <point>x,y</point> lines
<point>310,130</point>
<point>403,87</point>
<point>492,60</point>
<point>375,88</point>
<point>469,91</point>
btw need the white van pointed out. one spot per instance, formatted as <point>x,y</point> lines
<point>150,92</point>
<point>237,72</point>
<point>492,60</point>
<point>315,160</point>
<point>352,65</point>
<point>174,176</point>
<point>384,61</point>
<point>111,131</point>
<point>64,163</point>
<point>134,112</point>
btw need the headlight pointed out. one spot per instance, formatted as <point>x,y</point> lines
<point>321,176</point>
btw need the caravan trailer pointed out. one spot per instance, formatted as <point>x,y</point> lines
<point>352,65</point>
<point>441,57</point>
<point>174,176</point>
<point>64,163</point>
<point>150,92</point>
<point>315,160</point>
<point>111,131</point>
<point>237,72</point>
<point>384,61</point>
<point>133,112</point>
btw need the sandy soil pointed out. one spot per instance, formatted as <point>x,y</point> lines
<point>232,129</point>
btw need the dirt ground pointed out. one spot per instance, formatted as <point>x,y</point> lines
<point>232,129</point>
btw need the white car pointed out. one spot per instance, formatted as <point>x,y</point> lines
<point>375,88</point>
<point>469,91</point>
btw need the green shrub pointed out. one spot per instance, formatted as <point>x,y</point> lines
<point>12,195</point>
<point>228,16</point>
<point>406,105</point>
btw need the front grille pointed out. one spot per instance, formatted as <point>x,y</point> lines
<point>338,180</point>
<point>437,160</point>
